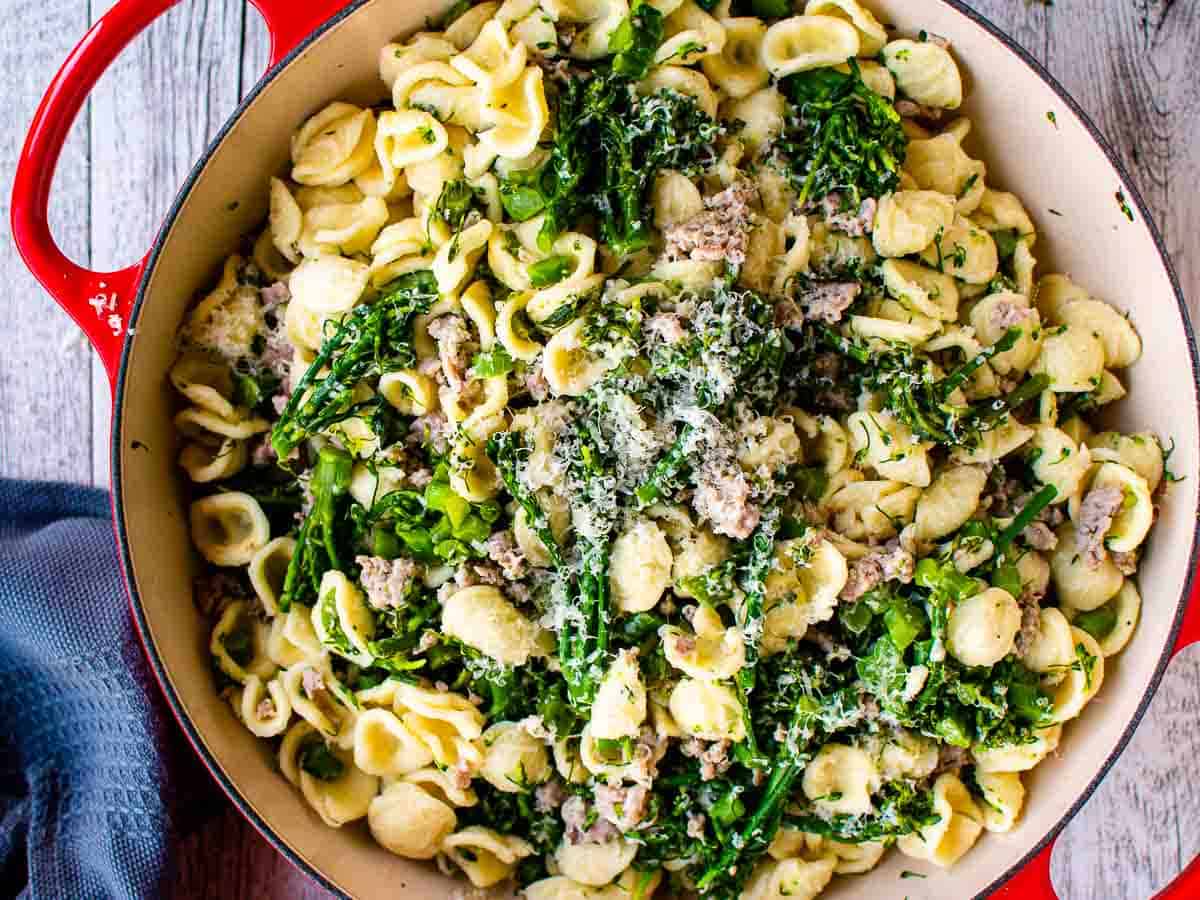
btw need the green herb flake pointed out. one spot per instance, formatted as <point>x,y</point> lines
<point>1126,209</point>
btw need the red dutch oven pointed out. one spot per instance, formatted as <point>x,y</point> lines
<point>323,50</point>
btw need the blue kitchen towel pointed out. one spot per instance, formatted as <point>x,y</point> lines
<point>89,760</point>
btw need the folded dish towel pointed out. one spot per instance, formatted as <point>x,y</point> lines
<point>90,762</point>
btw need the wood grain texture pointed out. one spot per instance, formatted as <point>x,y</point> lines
<point>45,388</point>
<point>1129,64</point>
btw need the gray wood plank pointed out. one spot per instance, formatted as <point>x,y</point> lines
<point>45,394</point>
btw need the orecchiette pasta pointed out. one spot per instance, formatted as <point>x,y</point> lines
<point>229,529</point>
<point>840,780</point>
<point>620,705</point>
<point>482,618</point>
<point>409,822</point>
<point>485,856</point>
<point>802,43</point>
<point>646,397</point>
<point>707,710</point>
<point>959,825</point>
<point>926,72</point>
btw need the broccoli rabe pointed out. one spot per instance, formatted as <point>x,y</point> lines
<point>322,541</point>
<point>842,137</point>
<point>609,142</point>
<point>908,383</point>
<point>504,450</point>
<point>957,704</point>
<point>900,808</point>
<point>371,340</point>
<point>635,40</point>
<point>664,477</point>
<point>434,525</point>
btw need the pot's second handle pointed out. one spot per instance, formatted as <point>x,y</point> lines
<point>1033,881</point>
<point>100,302</point>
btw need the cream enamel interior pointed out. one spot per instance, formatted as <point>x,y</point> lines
<point>1049,167</point>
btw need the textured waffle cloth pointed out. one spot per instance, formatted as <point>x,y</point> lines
<point>89,759</point>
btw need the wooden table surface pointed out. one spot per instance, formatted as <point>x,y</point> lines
<point>1130,63</point>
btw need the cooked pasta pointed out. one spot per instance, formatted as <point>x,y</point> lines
<point>643,454</point>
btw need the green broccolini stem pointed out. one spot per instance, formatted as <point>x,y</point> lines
<point>1026,391</point>
<point>581,647</point>
<point>1039,501</point>
<point>504,450</point>
<point>758,566</point>
<point>371,340</point>
<point>959,376</point>
<point>762,824</point>
<point>665,470</point>
<point>316,542</point>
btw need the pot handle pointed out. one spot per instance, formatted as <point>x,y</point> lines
<point>1189,628</point>
<point>1033,881</point>
<point>290,22</point>
<point>99,302</point>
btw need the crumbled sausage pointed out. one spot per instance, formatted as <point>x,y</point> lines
<point>1006,314</point>
<point>536,384</point>
<point>723,497</point>
<point>386,582</point>
<point>695,825</point>
<point>1125,561</point>
<point>684,644</point>
<point>549,796</point>
<point>1039,536</point>
<point>274,295</point>
<point>502,549</point>
<point>265,708</point>
<point>823,302</point>
<point>1002,499</point>
<point>1031,622</point>
<point>911,110</point>
<point>453,337</point>
<point>714,757</point>
<point>1096,514</point>
<point>892,563</point>
<point>433,428</point>
<point>575,816</point>
<point>855,223</point>
<point>720,233</point>
<point>625,807</point>
<point>648,750</point>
